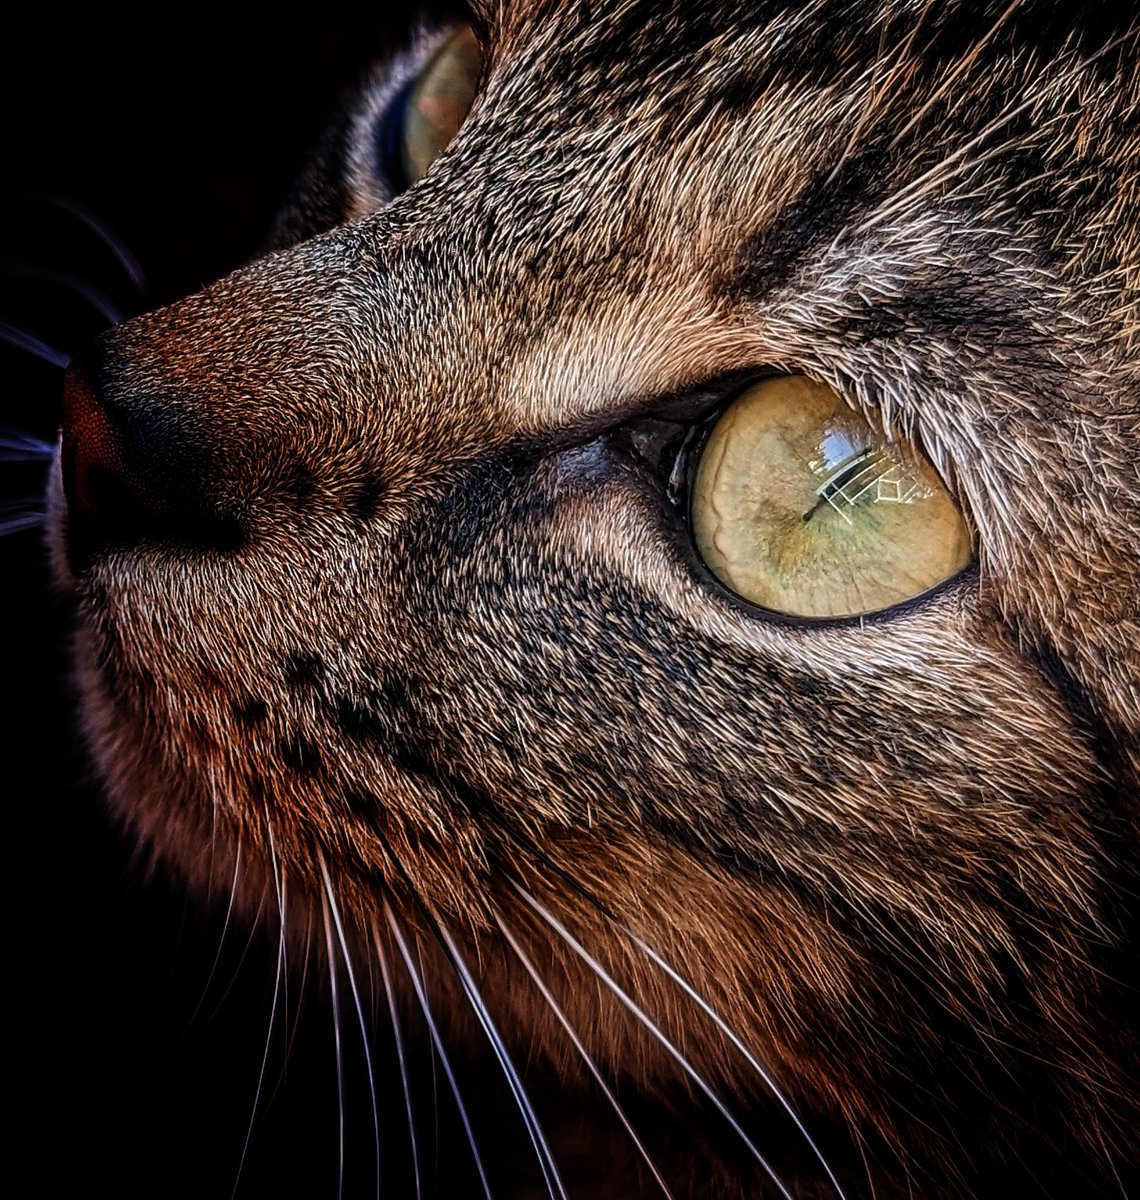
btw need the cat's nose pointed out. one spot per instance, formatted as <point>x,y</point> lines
<point>134,467</point>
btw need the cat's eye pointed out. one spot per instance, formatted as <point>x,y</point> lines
<point>800,506</point>
<point>436,104</point>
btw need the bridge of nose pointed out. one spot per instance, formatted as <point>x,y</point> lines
<point>394,346</point>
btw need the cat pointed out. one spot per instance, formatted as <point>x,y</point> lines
<point>640,579</point>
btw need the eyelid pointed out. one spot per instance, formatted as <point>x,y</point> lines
<point>388,142</point>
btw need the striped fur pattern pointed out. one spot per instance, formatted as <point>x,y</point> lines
<point>406,633</point>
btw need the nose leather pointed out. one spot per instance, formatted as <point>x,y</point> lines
<point>133,466</point>
<point>92,459</point>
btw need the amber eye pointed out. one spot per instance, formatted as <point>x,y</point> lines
<point>438,102</point>
<point>800,506</point>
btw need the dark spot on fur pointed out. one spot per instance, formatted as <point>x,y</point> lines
<point>304,670</point>
<point>679,833</point>
<point>252,711</point>
<point>948,305</point>
<point>394,692</point>
<point>363,804</point>
<point>1106,737</point>
<point>360,721</point>
<point>461,514</point>
<point>299,754</point>
<point>381,714</point>
<point>298,483</point>
<point>805,685</point>
<point>771,257</point>
<point>414,759</point>
<point>366,500</point>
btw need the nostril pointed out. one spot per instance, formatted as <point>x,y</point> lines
<point>91,454</point>
<point>134,467</point>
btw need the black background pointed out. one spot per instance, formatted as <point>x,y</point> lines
<point>132,1059</point>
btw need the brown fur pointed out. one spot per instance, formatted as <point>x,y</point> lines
<point>454,639</point>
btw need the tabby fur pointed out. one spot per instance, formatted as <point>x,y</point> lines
<point>386,608</point>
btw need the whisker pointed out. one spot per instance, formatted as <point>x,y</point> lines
<point>405,1079</point>
<point>97,299</point>
<point>293,1025</point>
<point>280,975</point>
<point>17,515</point>
<point>527,844</point>
<point>108,237</point>
<point>576,1042</point>
<point>23,340</point>
<point>437,1042</point>
<point>331,949</point>
<point>335,910</point>
<point>251,935</point>
<point>231,901</point>
<point>749,1057</point>
<point>17,446</point>
<point>546,1161</point>
<point>647,1022</point>
<point>102,231</point>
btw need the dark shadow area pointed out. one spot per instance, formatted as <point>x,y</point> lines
<point>134,1058</point>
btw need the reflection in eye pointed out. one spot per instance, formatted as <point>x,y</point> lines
<point>855,471</point>
<point>800,506</point>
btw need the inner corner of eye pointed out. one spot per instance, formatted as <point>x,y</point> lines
<point>800,505</point>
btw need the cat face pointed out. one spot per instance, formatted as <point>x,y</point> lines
<point>394,601</point>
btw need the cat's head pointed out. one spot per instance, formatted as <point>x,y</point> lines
<point>671,492</point>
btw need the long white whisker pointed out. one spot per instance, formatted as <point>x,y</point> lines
<point>749,1057</point>
<point>358,1005</point>
<point>23,340</point>
<point>643,1017</point>
<point>576,1042</point>
<point>393,1011</point>
<point>249,940</point>
<point>530,1117</point>
<point>437,1041</point>
<point>230,902</point>
<point>278,984</point>
<point>17,446</point>
<point>331,950</point>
